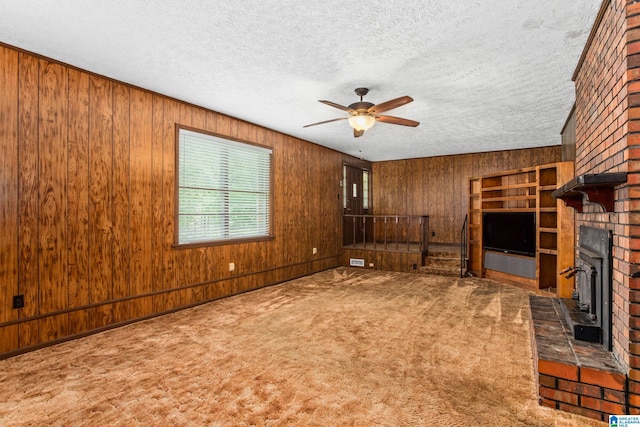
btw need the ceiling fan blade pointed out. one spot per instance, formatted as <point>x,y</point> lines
<point>326,121</point>
<point>397,121</point>
<point>338,106</point>
<point>390,105</point>
<point>357,133</point>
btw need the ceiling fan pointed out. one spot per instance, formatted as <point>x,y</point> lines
<point>363,115</point>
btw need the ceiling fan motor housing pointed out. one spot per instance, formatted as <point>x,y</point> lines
<point>361,107</point>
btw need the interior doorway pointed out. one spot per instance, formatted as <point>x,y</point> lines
<point>356,201</point>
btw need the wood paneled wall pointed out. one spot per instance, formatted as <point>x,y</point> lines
<point>438,186</point>
<point>87,176</point>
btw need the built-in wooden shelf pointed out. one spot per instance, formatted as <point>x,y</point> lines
<point>510,210</point>
<point>597,188</point>
<point>529,189</point>
<point>505,198</point>
<point>548,230</point>
<point>548,251</point>
<point>509,187</point>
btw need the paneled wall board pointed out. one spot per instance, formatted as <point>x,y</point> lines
<point>29,206</point>
<point>437,186</point>
<point>87,214</point>
<point>52,172</point>
<point>9,192</point>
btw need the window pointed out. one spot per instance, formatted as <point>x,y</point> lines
<point>365,189</point>
<point>344,187</point>
<point>224,189</point>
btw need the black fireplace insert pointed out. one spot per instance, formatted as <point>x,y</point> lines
<point>588,312</point>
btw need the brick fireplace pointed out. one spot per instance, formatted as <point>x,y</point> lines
<point>595,378</point>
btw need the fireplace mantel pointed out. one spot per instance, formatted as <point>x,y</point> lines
<point>598,188</point>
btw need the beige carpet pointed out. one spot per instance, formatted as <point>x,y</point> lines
<point>342,347</point>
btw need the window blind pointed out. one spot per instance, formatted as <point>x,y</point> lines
<point>224,189</point>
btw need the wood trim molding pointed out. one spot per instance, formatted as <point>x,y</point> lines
<point>137,319</point>
<point>335,257</point>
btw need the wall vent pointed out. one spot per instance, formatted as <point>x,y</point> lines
<point>356,262</point>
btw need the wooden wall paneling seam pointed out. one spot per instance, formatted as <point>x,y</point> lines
<point>449,203</point>
<point>293,197</point>
<point>289,203</point>
<point>272,251</point>
<point>223,127</point>
<point>324,177</point>
<point>434,205</point>
<point>263,248</point>
<point>214,255</point>
<point>236,251</point>
<point>52,134</point>
<point>28,197</point>
<point>424,187</point>
<point>300,246</point>
<point>121,187</point>
<point>169,180</point>
<point>245,131</point>
<point>140,157</point>
<point>199,267</point>
<point>277,181</point>
<point>331,209</point>
<point>410,184</point>
<point>100,225</point>
<point>461,175</point>
<point>404,182</point>
<point>419,174</point>
<point>211,122</point>
<point>324,192</point>
<point>327,225</point>
<point>186,271</point>
<point>157,248</point>
<point>306,199</point>
<point>459,195</point>
<point>9,187</point>
<point>78,199</point>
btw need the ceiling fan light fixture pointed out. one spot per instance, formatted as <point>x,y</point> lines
<point>362,122</point>
<point>363,115</point>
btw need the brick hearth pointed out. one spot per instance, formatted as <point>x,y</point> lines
<point>573,376</point>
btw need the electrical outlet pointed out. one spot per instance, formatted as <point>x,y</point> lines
<point>415,266</point>
<point>433,234</point>
<point>18,301</point>
<point>315,251</point>
<point>232,266</point>
<point>371,264</point>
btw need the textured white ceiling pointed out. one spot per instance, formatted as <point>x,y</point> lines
<point>485,74</point>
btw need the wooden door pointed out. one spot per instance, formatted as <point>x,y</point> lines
<point>356,202</point>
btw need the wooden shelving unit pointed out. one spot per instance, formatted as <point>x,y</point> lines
<point>527,190</point>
